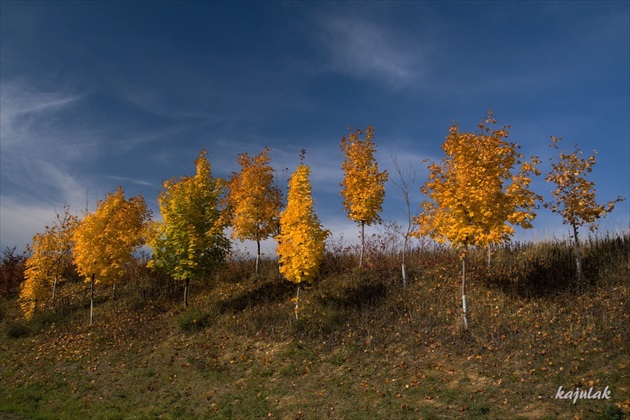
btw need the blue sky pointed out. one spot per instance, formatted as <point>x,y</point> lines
<point>100,94</point>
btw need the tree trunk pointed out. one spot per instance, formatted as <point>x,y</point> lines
<point>297,302</point>
<point>92,299</point>
<point>54,288</point>
<point>578,256</point>
<point>257,257</point>
<point>489,255</point>
<point>186,287</point>
<point>404,275</point>
<point>404,252</point>
<point>464,308</point>
<point>362,243</point>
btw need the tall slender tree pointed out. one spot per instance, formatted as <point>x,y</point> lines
<point>475,198</point>
<point>406,179</point>
<point>363,186</point>
<point>105,240</point>
<point>254,200</point>
<point>189,243</point>
<point>574,195</point>
<point>302,240</point>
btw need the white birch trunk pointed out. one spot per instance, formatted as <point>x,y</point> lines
<point>464,307</point>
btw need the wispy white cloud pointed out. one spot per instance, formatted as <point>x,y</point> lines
<point>131,180</point>
<point>38,157</point>
<point>37,145</point>
<point>24,110</point>
<point>363,49</point>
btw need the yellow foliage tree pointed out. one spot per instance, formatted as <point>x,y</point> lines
<point>51,257</point>
<point>302,240</point>
<point>189,243</point>
<point>574,195</point>
<point>254,201</point>
<point>363,186</point>
<point>475,198</point>
<point>106,239</point>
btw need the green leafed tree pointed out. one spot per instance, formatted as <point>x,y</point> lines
<point>189,243</point>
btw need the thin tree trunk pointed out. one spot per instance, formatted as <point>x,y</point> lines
<point>257,257</point>
<point>362,243</point>
<point>113,292</point>
<point>578,256</point>
<point>54,288</point>
<point>489,255</point>
<point>186,286</point>
<point>92,299</point>
<point>464,308</point>
<point>404,272</point>
<point>297,302</point>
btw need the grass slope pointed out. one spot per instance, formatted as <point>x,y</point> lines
<point>363,346</point>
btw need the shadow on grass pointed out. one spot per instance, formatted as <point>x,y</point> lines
<point>547,269</point>
<point>357,297</point>
<point>269,292</point>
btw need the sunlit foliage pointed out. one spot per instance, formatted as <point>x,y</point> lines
<point>50,257</point>
<point>189,243</point>
<point>106,239</point>
<point>301,242</point>
<point>574,195</point>
<point>475,198</point>
<point>254,200</point>
<point>363,186</point>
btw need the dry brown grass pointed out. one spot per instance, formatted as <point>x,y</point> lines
<point>363,345</point>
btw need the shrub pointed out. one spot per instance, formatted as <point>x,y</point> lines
<point>17,329</point>
<point>11,272</point>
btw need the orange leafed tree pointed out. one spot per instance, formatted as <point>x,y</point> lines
<point>50,259</point>
<point>105,240</point>
<point>574,195</point>
<point>475,198</point>
<point>302,240</point>
<point>363,186</point>
<point>189,243</point>
<point>254,200</point>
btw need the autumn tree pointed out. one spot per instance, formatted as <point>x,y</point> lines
<point>574,195</point>
<point>475,198</point>
<point>104,242</point>
<point>254,200</point>
<point>363,187</point>
<point>189,243</point>
<point>50,258</point>
<point>301,241</point>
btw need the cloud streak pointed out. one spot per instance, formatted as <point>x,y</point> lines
<point>363,49</point>
<point>36,148</point>
<point>38,155</point>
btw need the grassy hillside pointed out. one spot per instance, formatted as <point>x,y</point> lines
<point>363,347</point>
